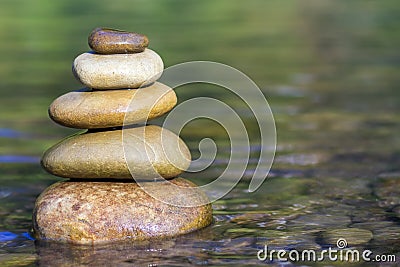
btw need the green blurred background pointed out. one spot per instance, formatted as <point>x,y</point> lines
<point>276,43</point>
<point>279,44</point>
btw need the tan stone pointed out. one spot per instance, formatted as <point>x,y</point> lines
<point>101,109</point>
<point>144,152</point>
<point>100,212</point>
<point>118,71</point>
<point>349,237</point>
<point>110,41</point>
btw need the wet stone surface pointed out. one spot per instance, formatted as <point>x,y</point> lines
<point>153,152</point>
<point>101,212</point>
<point>118,71</point>
<point>87,109</point>
<point>110,41</point>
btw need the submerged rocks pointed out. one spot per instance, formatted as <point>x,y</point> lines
<point>87,109</point>
<point>109,41</point>
<point>352,236</point>
<point>103,203</point>
<point>99,212</point>
<point>118,71</point>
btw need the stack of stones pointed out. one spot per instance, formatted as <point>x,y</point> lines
<point>101,202</point>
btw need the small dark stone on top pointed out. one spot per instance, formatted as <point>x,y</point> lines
<point>110,41</point>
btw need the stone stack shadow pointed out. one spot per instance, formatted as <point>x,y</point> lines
<point>101,201</point>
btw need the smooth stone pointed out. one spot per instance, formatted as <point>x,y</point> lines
<point>110,41</point>
<point>353,236</point>
<point>102,109</point>
<point>144,152</point>
<point>118,71</point>
<point>100,212</point>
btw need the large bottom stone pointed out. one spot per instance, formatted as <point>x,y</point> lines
<point>100,212</point>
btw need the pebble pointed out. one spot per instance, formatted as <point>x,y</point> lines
<point>118,71</point>
<point>353,236</point>
<point>150,151</point>
<point>110,41</point>
<point>86,109</point>
<point>101,212</point>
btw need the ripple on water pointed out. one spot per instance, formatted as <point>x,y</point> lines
<point>319,221</point>
<point>388,236</point>
<point>5,192</point>
<point>300,159</point>
<point>18,259</point>
<point>374,225</point>
<point>7,236</point>
<point>288,240</point>
<point>19,159</point>
<point>10,133</point>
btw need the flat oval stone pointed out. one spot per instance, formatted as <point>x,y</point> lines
<point>110,41</point>
<point>100,212</point>
<point>141,152</point>
<point>101,109</point>
<point>118,71</point>
<point>352,236</point>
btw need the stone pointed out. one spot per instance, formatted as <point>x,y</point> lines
<point>145,152</point>
<point>353,236</point>
<point>101,212</point>
<point>118,71</point>
<point>86,109</point>
<point>110,41</point>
